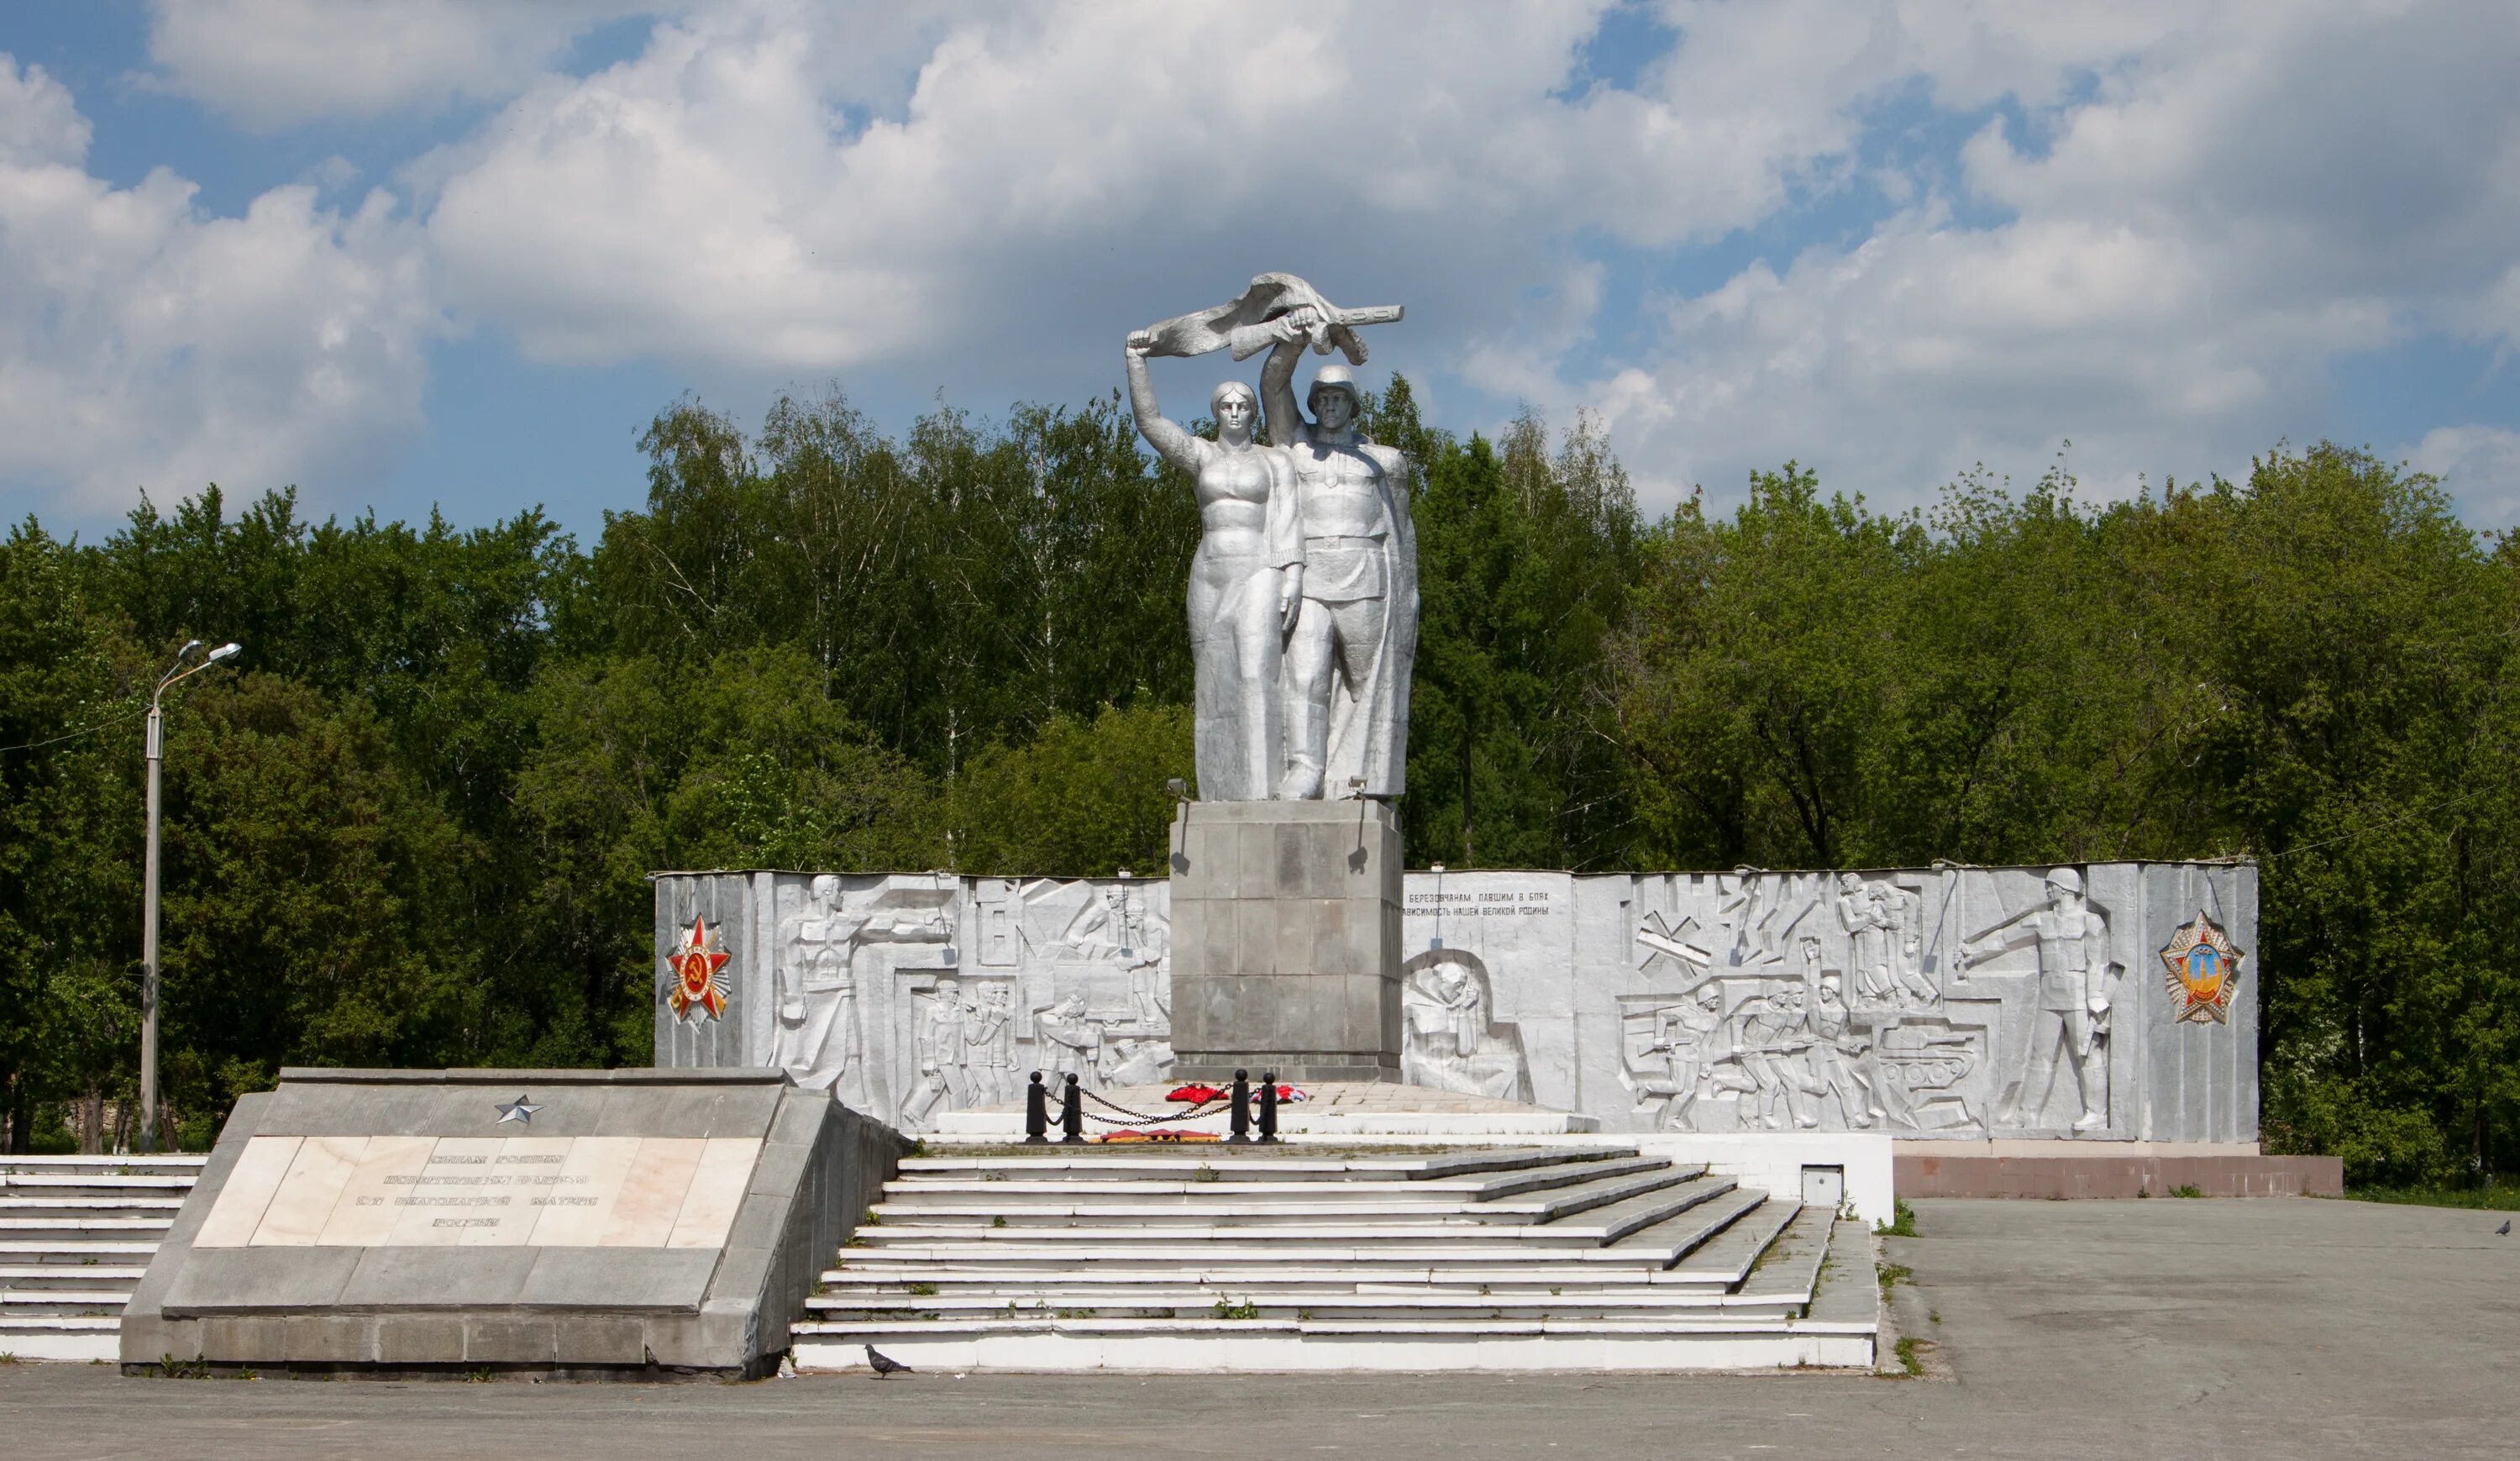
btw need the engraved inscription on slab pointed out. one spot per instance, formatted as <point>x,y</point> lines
<point>482,1191</point>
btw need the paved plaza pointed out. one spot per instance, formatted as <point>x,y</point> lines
<point>2194,1329</point>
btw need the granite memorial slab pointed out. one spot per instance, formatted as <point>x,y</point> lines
<point>585,1223</point>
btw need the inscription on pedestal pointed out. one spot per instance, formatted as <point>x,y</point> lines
<point>475,1191</point>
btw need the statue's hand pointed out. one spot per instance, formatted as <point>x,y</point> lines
<point>1290,598</point>
<point>1141,344</point>
<point>1295,324</point>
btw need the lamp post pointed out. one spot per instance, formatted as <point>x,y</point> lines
<point>153,748</point>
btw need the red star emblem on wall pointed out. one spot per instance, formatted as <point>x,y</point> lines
<point>695,965</point>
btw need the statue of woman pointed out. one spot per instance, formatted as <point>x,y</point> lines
<point>1243,598</point>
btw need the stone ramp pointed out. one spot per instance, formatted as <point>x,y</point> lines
<point>76,1235</point>
<point>1217,1259</point>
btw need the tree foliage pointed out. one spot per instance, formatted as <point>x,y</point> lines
<point>416,824</point>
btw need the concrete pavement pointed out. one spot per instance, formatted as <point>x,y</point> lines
<point>2191,1328</point>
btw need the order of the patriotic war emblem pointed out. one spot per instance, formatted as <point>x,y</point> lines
<point>696,962</point>
<point>2202,971</point>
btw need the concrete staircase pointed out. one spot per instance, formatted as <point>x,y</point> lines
<point>76,1235</point>
<point>1231,1259</point>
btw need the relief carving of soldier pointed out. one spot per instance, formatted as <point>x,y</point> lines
<point>2072,1021</point>
<point>818,1035</point>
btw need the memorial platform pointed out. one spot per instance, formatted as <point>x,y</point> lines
<point>1333,1111</point>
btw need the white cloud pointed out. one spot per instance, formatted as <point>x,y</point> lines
<point>2169,224</point>
<point>2200,229</point>
<point>145,343</point>
<point>39,121</point>
<point>1063,172</point>
<point>276,63</point>
<point>2479,466</point>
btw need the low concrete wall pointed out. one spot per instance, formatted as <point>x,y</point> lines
<point>2107,1174</point>
<point>1774,1160</point>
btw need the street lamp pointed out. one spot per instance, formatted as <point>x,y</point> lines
<point>154,746</point>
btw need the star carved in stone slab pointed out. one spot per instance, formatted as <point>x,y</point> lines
<point>519,1111</point>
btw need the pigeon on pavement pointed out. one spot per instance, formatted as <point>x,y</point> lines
<point>883,1364</point>
<point>2504,1231</point>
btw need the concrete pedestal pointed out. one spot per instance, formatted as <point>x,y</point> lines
<point>590,1224</point>
<point>1287,940</point>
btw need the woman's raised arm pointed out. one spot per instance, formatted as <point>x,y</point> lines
<point>1169,440</point>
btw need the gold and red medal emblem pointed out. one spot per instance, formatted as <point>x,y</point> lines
<point>696,964</point>
<point>2202,972</point>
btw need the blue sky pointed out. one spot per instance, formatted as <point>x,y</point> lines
<point>456,252</point>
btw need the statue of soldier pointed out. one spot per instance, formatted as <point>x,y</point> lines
<point>1354,638</point>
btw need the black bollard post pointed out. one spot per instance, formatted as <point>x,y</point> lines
<point>1268,1108</point>
<point>1071,1120</point>
<point>1036,1114</point>
<point>1241,1133</point>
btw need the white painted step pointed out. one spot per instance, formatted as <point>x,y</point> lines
<point>1049,1163</point>
<point>1288,1204</point>
<point>911,1191</point>
<point>28,1275</point>
<point>1275,1346</point>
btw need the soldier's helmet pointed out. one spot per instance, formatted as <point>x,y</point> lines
<point>1334,377</point>
<point>2068,878</point>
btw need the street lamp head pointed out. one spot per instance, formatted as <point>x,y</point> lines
<point>223,652</point>
<point>186,652</point>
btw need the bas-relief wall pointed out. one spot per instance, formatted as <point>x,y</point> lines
<point>2109,1000</point>
<point>914,994</point>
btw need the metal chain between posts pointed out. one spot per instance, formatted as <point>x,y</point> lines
<point>1141,1118</point>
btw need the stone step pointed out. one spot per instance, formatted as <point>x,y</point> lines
<point>85,1323</point>
<point>1476,1246</point>
<point>1282,1165</point>
<point>1228,1346</point>
<point>14,1223</point>
<point>54,1251</point>
<point>72,1184</point>
<point>185,1163</point>
<point>1306,1301</point>
<point>72,1341</point>
<point>26,1276</point>
<point>920,1192</point>
<point>1790,1266</point>
<point>1726,1257</point>
<point>1846,1289</point>
<point>1596,1226</point>
<point>1536,1204</point>
<point>17,1303</point>
<point>1664,1244</point>
<point>1117,1277</point>
<point>54,1207</point>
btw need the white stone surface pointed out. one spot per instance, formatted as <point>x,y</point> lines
<point>459,1191</point>
<point>1775,1161</point>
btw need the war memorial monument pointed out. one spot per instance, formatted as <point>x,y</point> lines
<point>1530,1119</point>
